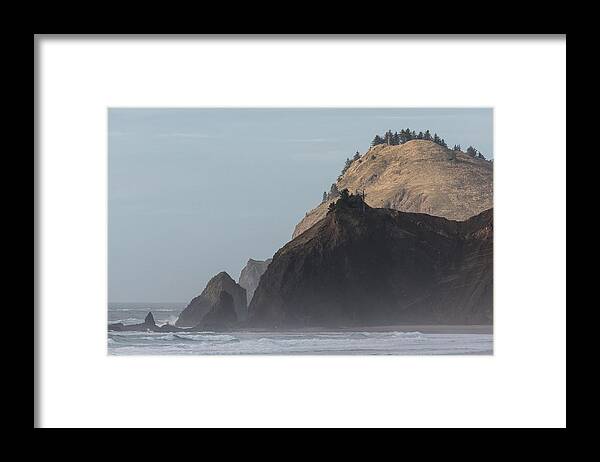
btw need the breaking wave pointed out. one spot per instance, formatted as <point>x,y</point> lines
<point>299,343</point>
<point>212,338</point>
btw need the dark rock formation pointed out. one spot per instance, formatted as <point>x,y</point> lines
<point>221,315</point>
<point>201,305</point>
<point>194,311</point>
<point>367,266</point>
<point>116,326</point>
<point>251,274</point>
<point>149,320</point>
<point>149,325</point>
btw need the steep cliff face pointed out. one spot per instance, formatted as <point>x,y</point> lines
<point>368,266</point>
<point>251,274</point>
<point>211,295</point>
<point>417,176</point>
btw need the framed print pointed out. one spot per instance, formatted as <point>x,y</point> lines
<point>290,231</point>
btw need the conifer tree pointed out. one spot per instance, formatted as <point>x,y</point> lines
<point>346,165</point>
<point>377,140</point>
<point>389,137</point>
<point>405,135</point>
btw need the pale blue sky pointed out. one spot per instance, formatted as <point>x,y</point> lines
<point>192,192</point>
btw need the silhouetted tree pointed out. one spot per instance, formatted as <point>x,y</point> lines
<point>324,196</point>
<point>406,134</point>
<point>389,137</point>
<point>377,140</point>
<point>345,195</point>
<point>356,156</point>
<point>356,200</point>
<point>346,165</point>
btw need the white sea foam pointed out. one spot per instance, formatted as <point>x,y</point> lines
<point>210,338</point>
<point>299,343</point>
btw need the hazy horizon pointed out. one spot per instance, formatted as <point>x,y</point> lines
<point>192,192</point>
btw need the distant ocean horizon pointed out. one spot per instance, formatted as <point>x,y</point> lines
<point>135,312</point>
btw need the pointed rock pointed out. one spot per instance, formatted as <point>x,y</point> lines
<point>221,315</point>
<point>149,320</point>
<point>211,295</point>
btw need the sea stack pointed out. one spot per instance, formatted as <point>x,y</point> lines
<point>148,325</point>
<point>193,314</point>
<point>221,315</point>
<point>149,320</point>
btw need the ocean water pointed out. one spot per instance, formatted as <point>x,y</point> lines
<point>449,340</point>
<point>134,313</point>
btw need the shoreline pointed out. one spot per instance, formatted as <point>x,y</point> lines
<point>423,328</point>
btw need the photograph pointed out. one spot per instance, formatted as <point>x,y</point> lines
<point>314,231</point>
